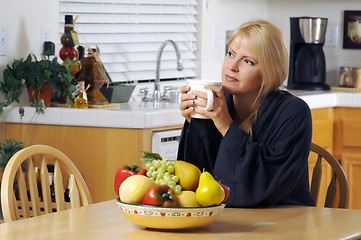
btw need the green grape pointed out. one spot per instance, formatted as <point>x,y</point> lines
<point>156,181</point>
<point>162,182</point>
<point>175,178</point>
<point>160,175</point>
<point>148,165</point>
<point>167,178</point>
<point>157,163</point>
<point>163,167</point>
<point>171,184</point>
<point>149,174</point>
<point>160,170</point>
<point>154,174</point>
<point>170,169</point>
<point>177,189</point>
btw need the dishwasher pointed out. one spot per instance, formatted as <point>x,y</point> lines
<point>166,143</point>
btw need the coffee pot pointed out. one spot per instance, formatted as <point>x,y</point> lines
<point>307,69</point>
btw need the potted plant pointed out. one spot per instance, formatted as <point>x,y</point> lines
<point>7,150</point>
<point>35,74</point>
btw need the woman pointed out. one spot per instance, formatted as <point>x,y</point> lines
<point>258,137</point>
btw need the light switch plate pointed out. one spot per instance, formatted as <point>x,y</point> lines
<point>3,41</point>
<point>218,37</point>
<point>331,36</point>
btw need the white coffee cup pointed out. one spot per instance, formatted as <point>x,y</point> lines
<point>198,85</point>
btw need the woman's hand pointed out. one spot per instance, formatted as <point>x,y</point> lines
<point>219,113</point>
<point>187,103</point>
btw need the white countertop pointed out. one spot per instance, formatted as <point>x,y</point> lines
<point>143,115</point>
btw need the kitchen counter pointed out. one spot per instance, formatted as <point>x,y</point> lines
<point>128,115</point>
<point>140,115</point>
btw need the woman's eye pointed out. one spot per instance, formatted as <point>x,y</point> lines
<point>229,54</point>
<point>249,62</point>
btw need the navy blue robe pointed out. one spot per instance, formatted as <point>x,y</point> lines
<point>266,169</point>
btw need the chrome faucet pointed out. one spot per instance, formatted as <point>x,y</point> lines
<point>156,93</point>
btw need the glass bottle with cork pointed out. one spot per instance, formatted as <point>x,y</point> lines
<point>68,39</point>
<point>82,100</point>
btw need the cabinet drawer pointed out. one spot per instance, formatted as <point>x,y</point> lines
<point>351,132</point>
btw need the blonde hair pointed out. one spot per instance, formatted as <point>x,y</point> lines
<point>268,45</point>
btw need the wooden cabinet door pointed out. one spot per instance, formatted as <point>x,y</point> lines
<point>322,127</point>
<point>351,163</point>
<point>347,148</point>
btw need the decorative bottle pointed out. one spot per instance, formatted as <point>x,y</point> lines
<point>68,50</point>
<point>81,101</point>
<point>92,76</point>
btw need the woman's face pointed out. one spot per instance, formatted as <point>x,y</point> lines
<point>241,72</point>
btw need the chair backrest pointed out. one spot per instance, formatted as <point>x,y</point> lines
<point>338,187</point>
<point>26,192</point>
<point>1,173</point>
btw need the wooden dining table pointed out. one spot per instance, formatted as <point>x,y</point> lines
<point>104,220</point>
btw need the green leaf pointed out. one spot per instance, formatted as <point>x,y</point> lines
<point>8,149</point>
<point>150,156</point>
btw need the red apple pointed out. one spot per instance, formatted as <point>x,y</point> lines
<point>226,189</point>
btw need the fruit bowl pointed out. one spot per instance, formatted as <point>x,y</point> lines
<point>169,217</point>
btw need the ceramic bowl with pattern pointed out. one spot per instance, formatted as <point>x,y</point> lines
<point>169,217</point>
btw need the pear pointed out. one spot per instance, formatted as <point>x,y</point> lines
<point>209,191</point>
<point>188,175</point>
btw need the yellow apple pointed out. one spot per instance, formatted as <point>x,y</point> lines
<point>188,199</point>
<point>134,188</point>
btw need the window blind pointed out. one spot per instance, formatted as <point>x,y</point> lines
<point>130,32</point>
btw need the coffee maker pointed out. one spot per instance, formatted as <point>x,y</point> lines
<point>307,69</point>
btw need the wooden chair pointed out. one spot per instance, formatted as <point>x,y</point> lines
<point>24,194</point>
<point>338,176</point>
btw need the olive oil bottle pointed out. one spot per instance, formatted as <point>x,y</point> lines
<point>81,101</point>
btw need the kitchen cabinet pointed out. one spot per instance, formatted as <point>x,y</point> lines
<point>339,131</point>
<point>96,151</point>
<point>347,148</point>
